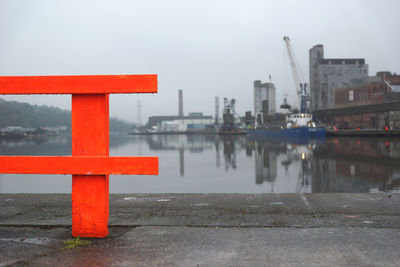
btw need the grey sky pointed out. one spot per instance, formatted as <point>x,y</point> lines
<point>207,48</point>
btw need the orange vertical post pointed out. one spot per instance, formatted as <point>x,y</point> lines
<point>90,163</point>
<point>90,137</point>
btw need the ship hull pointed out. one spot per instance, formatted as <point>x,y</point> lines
<point>299,132</point>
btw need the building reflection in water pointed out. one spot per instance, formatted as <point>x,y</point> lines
<point>327,165</point>
<point>357,165</point>
<point>179,142</point>
<point>302,166</point>
<point>230,153</point>
<point>217,154</point>
<point>268,152</point>
<point>182,161</point>
<point>265,159</point>
<point>230,145</point>
<point>249,165</point>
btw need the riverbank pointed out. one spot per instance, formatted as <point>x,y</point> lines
<point>208,229</point>
<point>329,132</point>
<point>364,133</point>
<point>190,133</point>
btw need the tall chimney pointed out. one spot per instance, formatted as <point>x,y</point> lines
<point>216,110</point>
<point>180,111</point>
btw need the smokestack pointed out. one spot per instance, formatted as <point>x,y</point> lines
<point>216,110</point>
<point>180,108</point>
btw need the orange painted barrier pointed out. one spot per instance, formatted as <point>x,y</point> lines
<point>78,84</point>
<point>90,163</point>
<point>83,165</point>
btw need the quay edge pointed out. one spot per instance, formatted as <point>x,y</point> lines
<point>207,229</point>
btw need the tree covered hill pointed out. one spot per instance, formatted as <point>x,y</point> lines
<point>14,113</point>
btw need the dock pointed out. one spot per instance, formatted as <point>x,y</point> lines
<point>364,133</point>
<point>207,230</point>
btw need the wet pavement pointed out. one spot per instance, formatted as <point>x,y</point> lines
<point>208,230</point>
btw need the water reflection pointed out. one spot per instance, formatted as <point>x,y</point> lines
<point>230,145</point>
<point>230,164</point>
<point>54,145</point>
<point>357,165</point>
<point>230,150</point>
<point>289,161</point>
<point>328,165</point>
<point>192,143</point>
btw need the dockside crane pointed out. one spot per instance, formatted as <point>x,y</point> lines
<point>298,78</point>
<point>229,114</point>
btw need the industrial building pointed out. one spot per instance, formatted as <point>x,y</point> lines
<point>196,121</point>
<point>264,98</point>
<point>326,75</point>
<point>157,120</point>
<point>382,88</point>
<point>187,124</point>
<point>374,104</point>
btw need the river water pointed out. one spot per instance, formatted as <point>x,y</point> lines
<point>228,164</point>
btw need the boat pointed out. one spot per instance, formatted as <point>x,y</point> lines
<point>297,125</point>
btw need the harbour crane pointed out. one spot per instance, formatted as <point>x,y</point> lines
<point>298,78</point>
<point>229,114</point>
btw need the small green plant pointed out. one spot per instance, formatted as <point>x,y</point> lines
<point>76,242</point>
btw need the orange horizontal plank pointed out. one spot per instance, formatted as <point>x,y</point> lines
<point>78,84</point>
<point>80,165</point>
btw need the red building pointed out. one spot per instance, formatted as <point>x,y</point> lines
<point>375,91</point>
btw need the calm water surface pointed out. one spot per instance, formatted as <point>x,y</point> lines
<point>228,164</point>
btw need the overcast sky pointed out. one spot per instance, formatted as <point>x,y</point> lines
<point>207,48</point>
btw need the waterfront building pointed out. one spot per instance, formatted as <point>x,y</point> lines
<point>380,89</point>
<point>375,104</point>
<point>196,121</point>
<point>264,98</point>
<point>187,125</point>
<point>327,75</point>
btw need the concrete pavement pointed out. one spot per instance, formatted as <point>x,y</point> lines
<point>208,230</point>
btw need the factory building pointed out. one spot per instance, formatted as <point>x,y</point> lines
<point>187,124</point>
<point>264,98</point>
<point>326,75</point>
<point>382,88</point>
<point>375,91</point>
<point>195,122</point>
<point>158,120</point>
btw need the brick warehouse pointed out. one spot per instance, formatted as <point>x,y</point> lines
<point>375,91</point>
